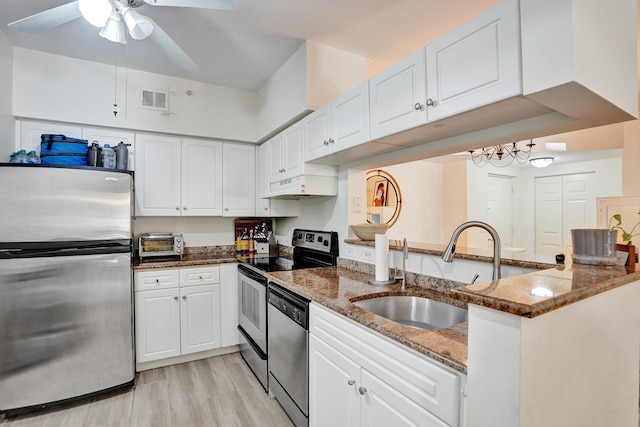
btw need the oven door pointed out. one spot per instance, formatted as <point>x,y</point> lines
<point>252,306</point>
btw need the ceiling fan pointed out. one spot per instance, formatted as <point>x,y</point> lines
<point>112,16</point>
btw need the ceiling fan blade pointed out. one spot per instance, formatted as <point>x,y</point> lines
<point>201,4</point>
<point>48,19</point>
<point>172,50</point>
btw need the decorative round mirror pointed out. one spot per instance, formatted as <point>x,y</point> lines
<point>383,198</point>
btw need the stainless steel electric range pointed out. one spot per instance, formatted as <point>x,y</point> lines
<point>311,248</point>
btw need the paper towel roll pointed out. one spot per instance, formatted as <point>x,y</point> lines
<point>382,258</point>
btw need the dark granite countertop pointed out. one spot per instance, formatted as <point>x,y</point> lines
<point>336,287</point>
<point>191,260</point>
<point>536,293</point>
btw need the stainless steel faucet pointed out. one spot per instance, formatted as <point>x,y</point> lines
<point>447,255</point>
<point>405,255</point>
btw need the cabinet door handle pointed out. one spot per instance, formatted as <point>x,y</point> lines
<point>177,208</point>
<point>362,390</point>
<point>430,102</point>
<point>184,208</point>
<point>226,209</point>
<point>331,141</point>
<point>175,298</point>
<point>158,281</point>
<point>417,107</point>
<point>266,208</point>
<point>184,297</point>
<point>325,142</point>
<point>200,277</point>
<point>351,382</point>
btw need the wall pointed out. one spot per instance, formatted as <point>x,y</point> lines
<point>422,187</point>
<point>312,77</point>
<point>76,91</point>
<point>197,231</point>
<point>7,122</point>
<point>630,156</point>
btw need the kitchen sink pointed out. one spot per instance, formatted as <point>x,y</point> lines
<point>417,312</point>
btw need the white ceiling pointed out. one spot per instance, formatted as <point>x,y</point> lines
<point>243,48</point>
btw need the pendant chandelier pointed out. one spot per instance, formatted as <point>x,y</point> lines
<point>502,155</point>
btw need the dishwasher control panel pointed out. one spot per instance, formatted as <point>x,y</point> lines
<point>291,305</point>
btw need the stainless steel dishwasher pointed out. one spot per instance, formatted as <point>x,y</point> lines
<point>288,340</point>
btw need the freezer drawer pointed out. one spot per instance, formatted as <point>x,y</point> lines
<point>66,327</point>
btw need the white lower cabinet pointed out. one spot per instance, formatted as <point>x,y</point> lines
<point>360,378</point>
<point>177,312</point>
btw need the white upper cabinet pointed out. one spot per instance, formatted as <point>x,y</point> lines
<point>239,180</point>
<point>178,177</point>
<point>157,178</point>
<point>201,177</point>
<point>285,154</point>
<point>476,64</point>
<point>265,206</point>
<point>397,96</point>
<point>342,124</point>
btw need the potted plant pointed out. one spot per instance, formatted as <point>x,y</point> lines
<point>626,237</point>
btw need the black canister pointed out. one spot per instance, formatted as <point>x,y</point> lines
<point>94,154</point>
<point>122,155</point>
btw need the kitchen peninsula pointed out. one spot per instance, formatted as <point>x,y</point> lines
<point>565,358</point>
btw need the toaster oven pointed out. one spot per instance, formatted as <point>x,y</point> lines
<point>160,245</point>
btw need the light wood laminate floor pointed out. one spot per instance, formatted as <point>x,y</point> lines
<point>219,391</point>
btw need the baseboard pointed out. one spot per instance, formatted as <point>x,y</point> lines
<point>144,366</point>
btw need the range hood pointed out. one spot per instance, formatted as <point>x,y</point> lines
<point>303,186</point>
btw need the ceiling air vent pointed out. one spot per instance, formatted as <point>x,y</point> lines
<point>154,100</point>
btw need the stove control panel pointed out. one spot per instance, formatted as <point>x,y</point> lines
<point>323,241</point>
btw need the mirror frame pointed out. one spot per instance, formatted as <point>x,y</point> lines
<point>379,173</point>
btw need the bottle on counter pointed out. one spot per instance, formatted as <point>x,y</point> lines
<point>252,243</point>
<point>239,242</point>
<point>108,157</point>
<point>245,240</point>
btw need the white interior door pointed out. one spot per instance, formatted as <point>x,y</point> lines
<point>562,203</point>
<point>500,208</point>
<point>579,204</point>
<point>549,217</point>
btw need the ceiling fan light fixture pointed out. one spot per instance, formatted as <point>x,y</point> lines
<point>95,12</point>
<point>139,26</point>
<point>114,29</point>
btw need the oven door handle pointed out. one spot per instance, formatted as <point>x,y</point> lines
<point>261,354</point>
<point>247,272</point>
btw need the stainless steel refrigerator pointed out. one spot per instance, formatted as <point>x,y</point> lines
<point>66,313</point>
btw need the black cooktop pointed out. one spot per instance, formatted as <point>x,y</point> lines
<point>269,263</point>
<point>310,249</point>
